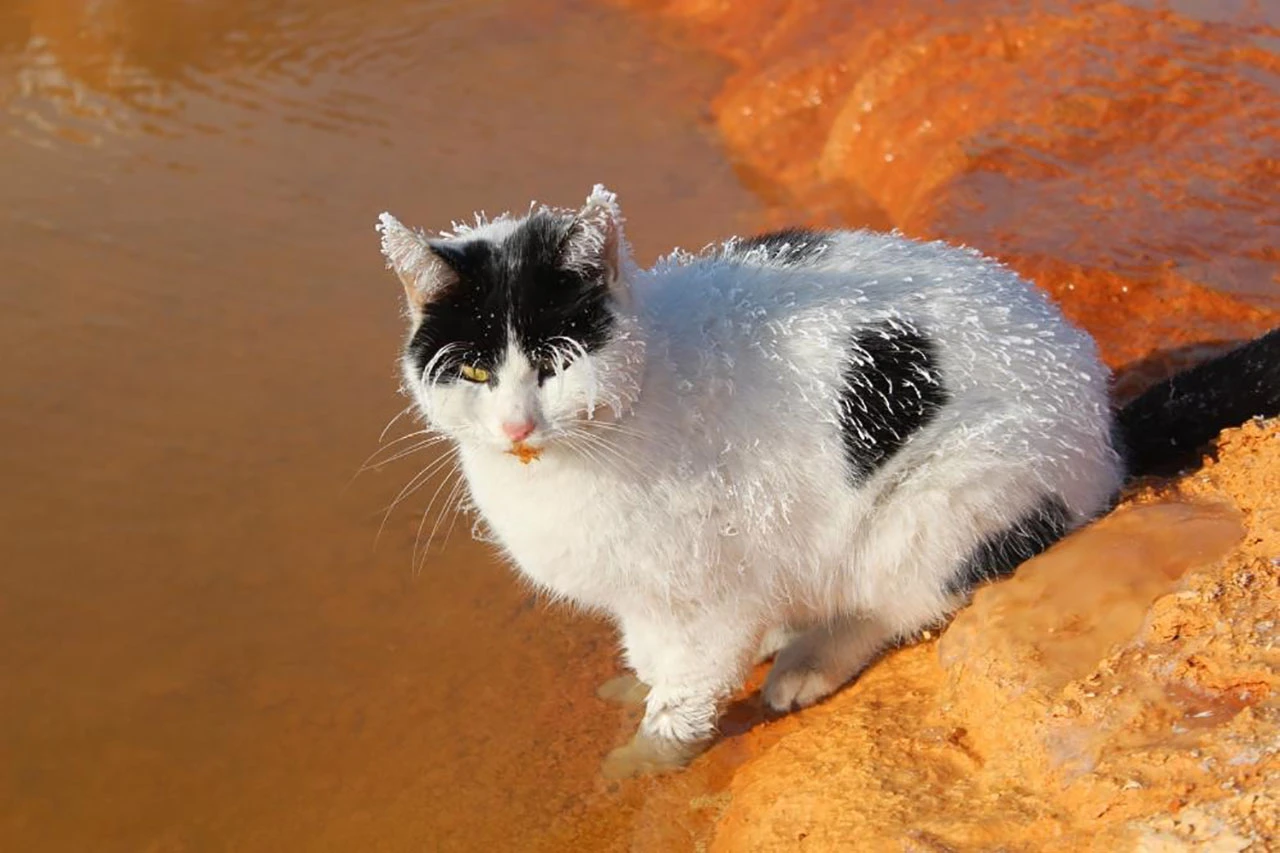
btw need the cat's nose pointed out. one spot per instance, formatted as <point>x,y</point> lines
<point>518,430</point>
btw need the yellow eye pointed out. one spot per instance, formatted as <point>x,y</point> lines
<point>474,374</point>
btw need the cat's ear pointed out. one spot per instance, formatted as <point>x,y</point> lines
<point>421,270</point>
<point>595,241</point>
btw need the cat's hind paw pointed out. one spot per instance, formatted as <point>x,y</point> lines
<point>791,687</point>
<point>774,640</point>
<point>821,661</point>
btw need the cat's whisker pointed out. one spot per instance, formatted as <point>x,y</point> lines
<point>612,432</point>
<point>457,510</point>
<point>393,446</point>
<point>589,435</point>
<point>618,428</point>
<point>392,422</point>
<point>379,464</point>
<point>592,376</point>
<point>393,442</point>
<point>459,483</point>
<point>416,481</point>
<point>587,453</point>
<point>371,460</point>
<point>603,446</point>
<point>418,548</point>
<point>562,365</point>
<point>429,367</point>
<point>430,376</point>
<point>412,486</point>
<point>627,462</point>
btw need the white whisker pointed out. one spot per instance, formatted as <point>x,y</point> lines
<point>391,422</point>
<point>454,476</point>
<point>459,483</point>
<point>413,485</point>
<point>375,465</point>
<point>602,445</point>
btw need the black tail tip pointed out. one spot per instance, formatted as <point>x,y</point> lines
<point>1162,429</point>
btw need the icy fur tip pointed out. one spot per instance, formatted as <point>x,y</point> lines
<point>400,246</point>
<point>601,197</point>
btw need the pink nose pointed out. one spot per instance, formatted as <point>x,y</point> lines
<point>517,430</point>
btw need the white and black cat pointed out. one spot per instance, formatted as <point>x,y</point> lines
<point>809,443</point>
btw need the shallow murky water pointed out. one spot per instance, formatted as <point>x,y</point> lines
<point>202,649</point>
<point>1092,591</point>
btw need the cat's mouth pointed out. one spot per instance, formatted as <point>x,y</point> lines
<point>524,452</point>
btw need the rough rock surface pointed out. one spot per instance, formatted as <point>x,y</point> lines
<point>1121,154</point>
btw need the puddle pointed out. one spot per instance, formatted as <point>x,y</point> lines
<point>1068,608</point>
<point>1206,711</point>
<point>202,648</point>
<point>1032,649</point>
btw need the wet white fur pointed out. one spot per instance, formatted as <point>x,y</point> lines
<point>721,508</point>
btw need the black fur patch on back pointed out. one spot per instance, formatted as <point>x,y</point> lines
<point>1003,552</point>
<point>790,246</point>
<point>520,284</point>
<point>892,388</point>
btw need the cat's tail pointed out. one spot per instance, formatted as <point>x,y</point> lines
<point>1164,426</point>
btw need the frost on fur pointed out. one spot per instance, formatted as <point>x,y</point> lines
<point>810,434</point>
<point>481,221</point>
<point>596,240</point>
<point>410,256</point>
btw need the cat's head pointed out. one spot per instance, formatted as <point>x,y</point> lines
<point>520,328</point>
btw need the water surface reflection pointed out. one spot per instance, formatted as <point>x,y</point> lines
<point>203,651</point>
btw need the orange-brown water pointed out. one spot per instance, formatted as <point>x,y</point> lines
<point>201,649</point>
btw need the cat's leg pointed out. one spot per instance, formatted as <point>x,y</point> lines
<point>775,640</point>
<point>822,659</point>
<point>691,668</point>
<point>913,575</point>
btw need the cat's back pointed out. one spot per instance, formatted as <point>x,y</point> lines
<point>776,355</point>
<point>798,298</point>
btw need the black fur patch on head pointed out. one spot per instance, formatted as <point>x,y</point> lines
<point>522,285</point>
<point>1003,552</point>
<point>790,246</point>
<point>892,388</point>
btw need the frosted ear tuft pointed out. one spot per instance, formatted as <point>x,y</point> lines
<point>422,272</point>
<point>595,241</point>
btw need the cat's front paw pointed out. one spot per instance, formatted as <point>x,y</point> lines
<point>625,690</point>
<point>795,684</point>
<point>646,755</point>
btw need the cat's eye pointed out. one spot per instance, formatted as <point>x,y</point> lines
<point>471,373</point>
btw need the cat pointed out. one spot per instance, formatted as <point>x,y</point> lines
<point>808,444</point>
